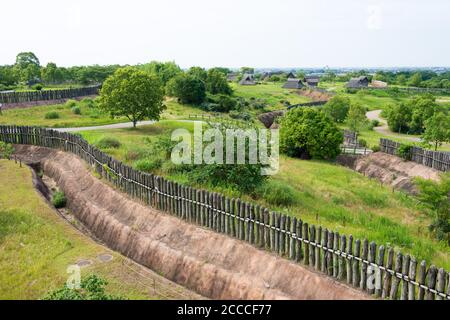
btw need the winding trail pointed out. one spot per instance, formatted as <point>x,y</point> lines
<point>107,126</point>
<point>384,128</point>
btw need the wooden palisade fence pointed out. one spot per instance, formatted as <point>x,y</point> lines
<point>377,270</point>
<point>44,95</point>
<point>433,159</point>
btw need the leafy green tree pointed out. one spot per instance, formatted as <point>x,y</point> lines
<point>247,70</point>
<point>27,66</point>
<point>216,83</point>
<point>436,195</point>
<point>91,288</point>
<point>199,73</point>
<point>7,76</point>
<point>423,107</point>
<point>415,80</point>
<point>399,117</point>
<point>309,132</point>
<point>164,70</point>
<point>132,93</point>
<point>188,89</point>
<point>337,108</point>
<point>51,73</point>
<point>356,117</point>
<point>437,129</point>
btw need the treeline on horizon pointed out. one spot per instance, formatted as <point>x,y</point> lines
<point>27,71</point>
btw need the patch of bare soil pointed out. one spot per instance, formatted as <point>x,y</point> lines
<point>394,171</point>
<point>212,264</point>
<point>314,95</point>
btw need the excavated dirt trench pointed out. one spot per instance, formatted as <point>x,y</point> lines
<point>211,264</point>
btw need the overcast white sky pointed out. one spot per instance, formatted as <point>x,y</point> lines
<point>232,33</point>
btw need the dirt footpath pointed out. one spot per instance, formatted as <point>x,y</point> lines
<point>212,264</point>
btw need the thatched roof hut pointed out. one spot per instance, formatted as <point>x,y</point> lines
<point>359,82</point>
<point>293,83</point>
<point>247,80</point>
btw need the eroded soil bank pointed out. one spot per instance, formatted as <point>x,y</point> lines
<point>391,170</point>
<point>211,264</point>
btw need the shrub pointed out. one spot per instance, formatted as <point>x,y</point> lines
<point>108,142</point>
<point>277,193</point>
<point>52,115</point>
<point>376,148</point>
<point>362,143</point>
<point>92,287</point>
<point>375,123</point>
<point>76,110</point>
<point>187,89</point>
<point>308,132</point>
<point>404,151</point>
<point>59,199</point>
<point>148,165</point>
<point>37,87</point>
<point>6,150</point>
<point>87,103</point>
<point>241,115</point>
<point>71,103</point>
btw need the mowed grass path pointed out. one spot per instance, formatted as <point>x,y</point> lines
<point>37,246</point>
<point>326,194</point>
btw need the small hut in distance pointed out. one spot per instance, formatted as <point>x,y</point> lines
<point>312,81</point>
<point>293,83</point>
<point>359,82</point>
<point>247,80</point>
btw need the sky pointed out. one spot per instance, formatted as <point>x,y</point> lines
<point>229,33</point>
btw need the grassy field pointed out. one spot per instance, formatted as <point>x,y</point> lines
<point>272,92</point>
<point>37,246</point>
<point>325,194</point>
<point>35,116</point>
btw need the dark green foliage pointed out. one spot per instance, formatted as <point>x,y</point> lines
<point>52,115</point>
<point>337,108</point>
<point>409,117</point>
<point>404,151</point>
<point>187,88</point>
<point>59,199</point>
<point>163,70</point>
<point>199,73</point>
<point>108,142</point>
<point>436,195</point>
<point>277,193</point>
<point>37,87</point>
<point>87,103</point>
<point>76,110</point>
<point>216,83</point>
<point>71,103</point>
<point>308,132</point>
<point>91,288</point>
<point>132,93</point>
<point>241,115</point>
<point>148,165</point>
<point>6,150</point>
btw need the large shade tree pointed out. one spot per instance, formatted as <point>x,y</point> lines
<point>132,93</point>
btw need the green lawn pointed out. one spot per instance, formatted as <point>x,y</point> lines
<point>326,194</point>
<point>272,92</point>
<point>35,116</point>
<point>37,246</point>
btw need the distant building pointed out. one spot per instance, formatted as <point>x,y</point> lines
<point>247,80</point>
<point>312,81</point>
<point>293,83</point>
<point>359,82</point>
<point>266,75</point>
<point>232,76</point>
<point>379,84</point>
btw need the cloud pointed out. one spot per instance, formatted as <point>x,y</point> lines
<point>374,18</point>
